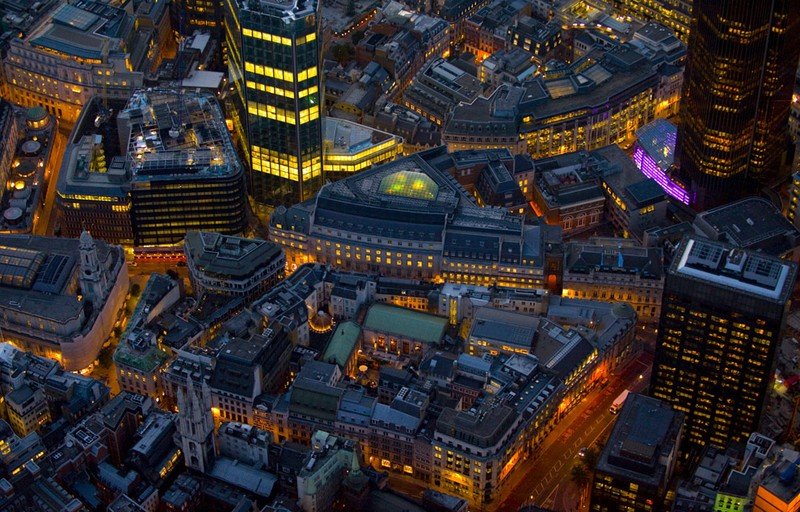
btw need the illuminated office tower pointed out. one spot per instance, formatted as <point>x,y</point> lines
<point>273,62</point>
<point>737,94</point>
<point>722,314</point>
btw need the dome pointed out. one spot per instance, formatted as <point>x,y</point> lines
<point>36,114</point>
<point>412,184</point>
<point>86,238</point>
<point>623,310</point>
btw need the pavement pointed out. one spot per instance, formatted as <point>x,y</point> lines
<point>544,479</point>
<point>47,220</point>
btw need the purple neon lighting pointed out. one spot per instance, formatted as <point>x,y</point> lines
<point>649,168</point>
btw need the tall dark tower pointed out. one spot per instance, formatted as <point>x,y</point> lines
<point>737,94</point>
<point>722,314</point>
<point>273,64</point>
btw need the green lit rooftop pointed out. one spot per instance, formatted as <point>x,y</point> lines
<point>411,184</point>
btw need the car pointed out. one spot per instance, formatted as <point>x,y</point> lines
<point>582,452</point>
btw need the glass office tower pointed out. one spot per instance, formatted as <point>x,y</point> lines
<point>742,58</point>
<point>722,315</point>
<point>273,62</point>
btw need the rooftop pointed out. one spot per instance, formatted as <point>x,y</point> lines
<point>749,272</point>
<point>645,433</point>
<point>229,256</point>
<point>175,134</point>
<point>36,273</point>
<point>751,223</point>
<point>405,322</point>
<point>504,326</point>
<point>342,343</point>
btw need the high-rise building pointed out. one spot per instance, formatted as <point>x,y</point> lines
<point>273,61</point>
<point>737,94</point>
<point>722,314</point>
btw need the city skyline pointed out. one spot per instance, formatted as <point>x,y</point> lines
<point>362,255</point>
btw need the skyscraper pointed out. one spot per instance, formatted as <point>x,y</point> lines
<point>721,319</point>
<point>737,94</point>
<point>273,62</point>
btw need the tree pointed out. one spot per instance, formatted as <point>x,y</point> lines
<point>590,458</point>
<point>357,36</point>
<point>343,53</point>
<point>106,357</point>
<point>579,475</point>
<point>351,7</point>
<point>135,290</point>
<point>174,275</point>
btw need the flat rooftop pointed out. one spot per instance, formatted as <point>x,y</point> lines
<point>751,223</point>
<point>745,271</point>
<point>176,134</point>
<point>229,256</point>
<point>504,326</point>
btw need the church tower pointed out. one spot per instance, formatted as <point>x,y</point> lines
<point>196,427</point>
<point>93,278</point>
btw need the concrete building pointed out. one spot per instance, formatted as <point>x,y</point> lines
<point>400,334</point>
<point>620,272</point>
<point>245,443</point>
<point>170,168</point>
<point>722,316</point>
<point>601,98</point>
<point>232,266</point>
<point>27,409</point>
<point>28,159</point>
<point>674,14</point>
<point>438,87</point>
<point>80,50</point>
<point>512,66</point>
<point>328,464</point>
<point>495,331</point>
<point>410,219</point>
<point>635,468</point>
<point>351,147</point>
<point>139,356</point>
<point>41,306</point>
<point>752,223</point>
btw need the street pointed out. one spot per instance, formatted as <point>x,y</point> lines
<point>582,427</point>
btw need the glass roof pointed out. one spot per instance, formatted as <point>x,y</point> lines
<point>413,184</point>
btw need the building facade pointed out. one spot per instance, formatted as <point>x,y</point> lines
<point>273,62</point>
<point>411,219</point>
<point>739,82</point>
<point>722,314</point>
<point>176,170</point>
<point>635,468</point>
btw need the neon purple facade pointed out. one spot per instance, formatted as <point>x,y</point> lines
<point>654,154</point>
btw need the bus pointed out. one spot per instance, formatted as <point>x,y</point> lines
<point>617,404</point>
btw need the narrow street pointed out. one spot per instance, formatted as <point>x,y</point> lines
<point>545,480</point>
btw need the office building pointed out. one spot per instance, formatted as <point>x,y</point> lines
<point>616,272</point>
<point>168,167</point>
<point>752,223</point>
<point>273,63</point>
<point>673,14</point>
<point>411,219</point>
<point>27,409</point>
<point>61,54</point>
<point>230,265</point>
<point>722,316</point>
<point>139,356</point>
<point>654,155</point>
<point>351,147</point>
<point>438,87</point>
<point>30,154</point>
<point>601,98</point>
<point>737,96</point>
<point>60,297</point>
<point>779,488</point>
<point>635,468</point>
